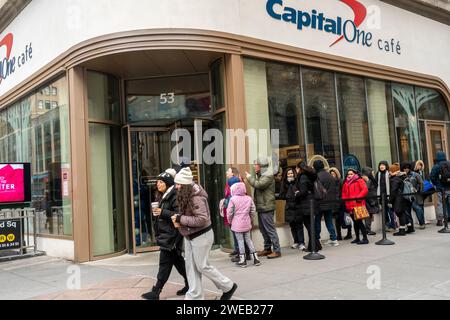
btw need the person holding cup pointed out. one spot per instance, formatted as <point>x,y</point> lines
<point>168,238</point>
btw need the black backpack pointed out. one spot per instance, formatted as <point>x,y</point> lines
<point>320,192</point>
<point>444,173</point>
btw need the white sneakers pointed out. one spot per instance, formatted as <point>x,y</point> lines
<point>333,243</point>
<point>299,246</point>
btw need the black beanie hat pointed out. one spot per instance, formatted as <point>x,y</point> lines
<point>166,178</point>
<point>406,164</point>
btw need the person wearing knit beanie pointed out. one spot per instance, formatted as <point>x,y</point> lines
<point>166,178</point>
<point>184,177</point>
<point>172,172</point>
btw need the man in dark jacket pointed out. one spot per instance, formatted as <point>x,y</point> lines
<point>168,238</point>
<point>304,196</point>
<point>264,196</point>
<point>326,208</point>
<point>382,179</point>
<point>417,184</point>
<point>435,173</point>
<point>399,203</point>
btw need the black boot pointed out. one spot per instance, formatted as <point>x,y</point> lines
<point>338,233</point>
<point>401,232</point>
<point>152,295</point>
<point>410,229</point>
<point>183,291</point>
<point>349,234</point>
<point>235,258</point>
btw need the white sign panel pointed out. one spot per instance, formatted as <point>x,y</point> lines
<point>366,30</point>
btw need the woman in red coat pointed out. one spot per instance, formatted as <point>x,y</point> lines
<point>355,187</point>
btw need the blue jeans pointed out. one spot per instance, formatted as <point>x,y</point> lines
<point>440,209</point>
<point>390,217</point>
<point>328,222</point>
<point>420,213</point>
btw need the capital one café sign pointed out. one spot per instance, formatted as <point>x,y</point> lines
<point>10,63</point>
<point>344,29</point>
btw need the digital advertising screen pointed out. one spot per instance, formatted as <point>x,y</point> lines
<point>15,183</point>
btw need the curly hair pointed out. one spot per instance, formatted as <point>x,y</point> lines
<point>184,198</point>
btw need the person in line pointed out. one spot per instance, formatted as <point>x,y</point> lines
<point>194,223</point>
<point>168,238</point>
<point>232,176</point>
<point>340,209</point>
<point>383,182</point>
<point>326,208</point>
<point>355,188</point>
<point>305,194</point>
<point>419,168</point>
<point>241,208</point>
<point>372,201</point>
<point>264,195</point>
<point>292,214</point>
<point>398,201</point>
<point>416,201</point>
<point>437,177</point>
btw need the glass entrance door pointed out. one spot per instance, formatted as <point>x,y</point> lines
<point>150,155</point>
<point>437,140</point>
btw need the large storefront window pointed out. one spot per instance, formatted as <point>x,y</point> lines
<point>406,122</point>
<point>217,85</point>
<point>284,96</point>
<point>354,122</point>
<point>105,159</point>
<point>382,130</point>
<point>36,130</point>
<point>433,115</point>
<point>321,116</point>
<point>377,120</point>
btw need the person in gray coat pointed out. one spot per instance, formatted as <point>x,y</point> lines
<point>264,196</point>
<point>193,221</point>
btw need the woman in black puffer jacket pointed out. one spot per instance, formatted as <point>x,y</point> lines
<point>168,237</point>
<point>292,211</point>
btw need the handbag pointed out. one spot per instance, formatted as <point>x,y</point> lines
<point>360,213</point>
<point>347,220</point>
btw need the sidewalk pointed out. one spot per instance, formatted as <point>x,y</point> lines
<point>416,267</point>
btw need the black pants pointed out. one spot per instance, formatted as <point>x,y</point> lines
<point>359,226</point>
<point>297,230</point>
<point>307,223</point>
<point>168,259</point>
<point>402,218</point>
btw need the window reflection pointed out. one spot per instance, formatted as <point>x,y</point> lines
<point>32,133</point>
<point>321,115</point>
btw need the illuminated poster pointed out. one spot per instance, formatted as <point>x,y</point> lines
<point>12,183</point>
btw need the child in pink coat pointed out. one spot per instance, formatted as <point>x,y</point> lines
<point>240,209</point>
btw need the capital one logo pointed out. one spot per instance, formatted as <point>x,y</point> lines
<point>8,63</point>
<point>344,29</point>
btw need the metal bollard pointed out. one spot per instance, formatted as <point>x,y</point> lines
<point>385,241</point>
<point>313,255</point>
<point>444,211</point>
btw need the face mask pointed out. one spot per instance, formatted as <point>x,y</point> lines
<point>290,179</point>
